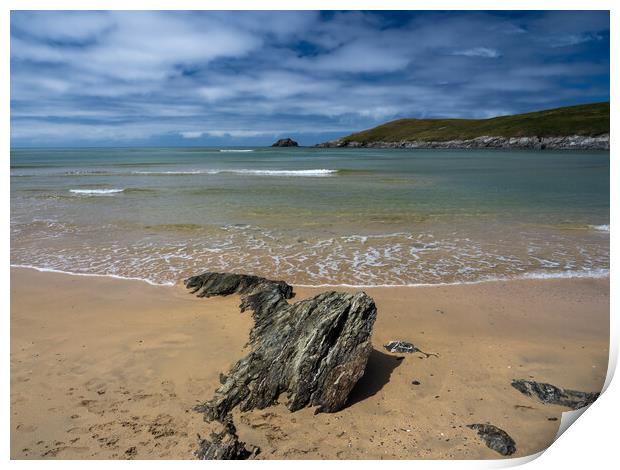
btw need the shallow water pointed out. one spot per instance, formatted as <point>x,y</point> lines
<point>312,216</point>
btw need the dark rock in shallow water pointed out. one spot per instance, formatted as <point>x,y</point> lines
<point>405,347</point>
<point>225,446</point>
<point>285,143</point>
<point>314,350</point>
<point>495,438</point>
<point>550,394</point>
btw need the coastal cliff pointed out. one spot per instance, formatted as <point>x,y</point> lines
<point>583,127</point>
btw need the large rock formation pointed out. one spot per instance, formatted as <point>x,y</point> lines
<point>285,143</point>
<point>550,394</point>
<point>495,438</point>
<point>314,351</point>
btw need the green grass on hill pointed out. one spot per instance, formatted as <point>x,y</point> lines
<point>587,119</point>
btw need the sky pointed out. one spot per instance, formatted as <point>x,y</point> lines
<point>147,78</point>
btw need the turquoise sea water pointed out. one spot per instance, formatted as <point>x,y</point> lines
<point>312,216</point>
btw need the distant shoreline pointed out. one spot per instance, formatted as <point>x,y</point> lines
<point>581,127</point>
<point>573,142</point>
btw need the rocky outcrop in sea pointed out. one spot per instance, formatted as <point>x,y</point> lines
<point>285,143</point>
<point>572,142</point>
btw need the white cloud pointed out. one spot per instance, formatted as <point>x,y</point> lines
<point>268,85</point>
<point>479,52</point>
<point>136,45</point>
<point>191,134</point>
<point>239,133</point>
<point>359,57</point>
<point>62,25</point>
<point>574,39</point>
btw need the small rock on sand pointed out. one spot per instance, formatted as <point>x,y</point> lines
<point>550,394</point>
<point>495,438</point>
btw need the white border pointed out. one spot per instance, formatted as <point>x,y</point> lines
<point>589,444</point>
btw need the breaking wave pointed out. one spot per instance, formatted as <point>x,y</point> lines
<point>600,228</point>
<point>313,172</point>
<point>94,192</point>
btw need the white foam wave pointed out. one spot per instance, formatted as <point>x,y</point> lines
<point>96,191</point>
<point>70,273</point>
<point>589,273</point>
<point>400,259</point>
<point>586,274</point>
<point>84,172</point>
<point>179,172</point>
<point>236,150</point>
<point>314,172</point>
<point>600,228</point>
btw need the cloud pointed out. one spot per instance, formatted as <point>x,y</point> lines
<point>133,45</point>
<point>270,85</point>
<point>357,57</point>
<point>574,39</point>
<point>226,133</point>
<point>179,78</point>
<point>239,133</point>
<point>191,134</point>
<point>479,52</point>
<point>69,26</point>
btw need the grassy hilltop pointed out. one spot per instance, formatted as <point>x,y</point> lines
<point>585,120</point>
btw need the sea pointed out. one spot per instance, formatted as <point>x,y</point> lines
<point>311,216</point>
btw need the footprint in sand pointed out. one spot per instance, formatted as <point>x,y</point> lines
<point>25,428</point>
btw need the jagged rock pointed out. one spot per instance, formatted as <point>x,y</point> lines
<point>211,284</point>
<point>225,445</point>
<point>550,394</point>
<point>405,347</point>
<point>285,143</point>
<point>495,438</point>
<point>314,350</point>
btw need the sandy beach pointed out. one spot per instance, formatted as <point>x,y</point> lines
<point>108,368</point>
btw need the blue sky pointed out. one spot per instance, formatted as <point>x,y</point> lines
<point>247,78</point>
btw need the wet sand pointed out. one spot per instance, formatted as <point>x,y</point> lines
<point>106,368</point>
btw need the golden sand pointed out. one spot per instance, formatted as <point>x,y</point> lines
<point>105,368</point>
